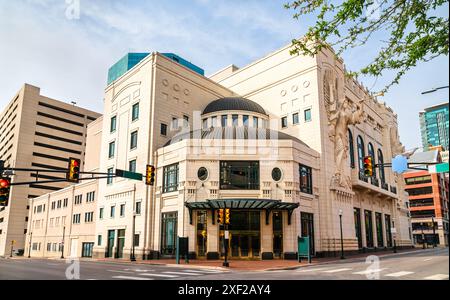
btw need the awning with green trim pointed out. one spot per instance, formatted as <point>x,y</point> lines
<point>263,204</point>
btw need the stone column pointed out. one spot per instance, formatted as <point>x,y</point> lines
<point>266,236</point>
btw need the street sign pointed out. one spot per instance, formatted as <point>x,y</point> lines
<point>227,234</point>
<point>439,168</point>
<point>399,164</point>
<point>128,174</point>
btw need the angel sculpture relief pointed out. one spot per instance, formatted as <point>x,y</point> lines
<point>343,116</point>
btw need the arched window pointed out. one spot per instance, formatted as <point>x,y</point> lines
<point>361,153</point>
<point>381,162</point>
<point>351,149</point>
<point>371,152</point>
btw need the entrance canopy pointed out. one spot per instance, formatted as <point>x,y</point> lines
<point>259,204</point>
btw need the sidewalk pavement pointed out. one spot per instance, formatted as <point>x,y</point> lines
<point>254,265</point>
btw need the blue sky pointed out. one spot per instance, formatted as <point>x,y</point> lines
<point>69,58</point>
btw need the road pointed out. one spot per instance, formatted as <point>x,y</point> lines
<point>432,264</point>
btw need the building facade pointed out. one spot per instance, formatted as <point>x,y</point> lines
<point>434,126</point>
<point>429,203</point>
<point>36,133</point>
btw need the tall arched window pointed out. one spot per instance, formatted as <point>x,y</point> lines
<point>371,152</point>
<point>361,153</point>
<point>351,149</point>
<point>381,162</point>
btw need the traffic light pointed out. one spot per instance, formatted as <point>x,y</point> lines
<point>220,216</point>
<point>150,175</point>
<point>227,216</point>
<point>73,173</point>
<point>368,166</point>
<point>5,185</point>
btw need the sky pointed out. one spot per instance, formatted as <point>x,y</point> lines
<point>67,53</point>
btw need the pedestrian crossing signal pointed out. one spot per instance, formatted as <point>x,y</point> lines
<point>220,215</point>
<point>368,166</point>
<point>73,174</point>
<point>5,185</point>
<point>150,175</point>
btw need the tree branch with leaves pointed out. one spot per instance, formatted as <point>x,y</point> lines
<point>413,33</point>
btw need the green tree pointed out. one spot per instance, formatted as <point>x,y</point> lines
<point>411,31</point>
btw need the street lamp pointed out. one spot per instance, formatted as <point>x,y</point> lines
<point>29,245</point>
<point>423,236</point>
<point>434,233</point>
<point>62,246</point>
<point>133,244</point>
<point>435,90</point>
<point>342,236</point>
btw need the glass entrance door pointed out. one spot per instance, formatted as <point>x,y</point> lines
<point>110,246</point>
<point>245,235</point>
<point>277,221</point>
<point>120,242</point>
<point>169,233</point>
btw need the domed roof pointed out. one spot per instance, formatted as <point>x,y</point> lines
<point>233,103</point>
<point>233,133</point>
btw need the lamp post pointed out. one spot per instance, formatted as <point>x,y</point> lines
<point>435,90</point>
<point>133,244</point>
<point>62,245</point>
<point>29,245</point>
<point>423,236</point>
<point>342,236</point>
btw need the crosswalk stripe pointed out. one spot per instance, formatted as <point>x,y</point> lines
<point>120,271</point>
<point>158,275</point>
<point>311,270</point>
<point>399,274</point>
<point>131,278</point>
<point>369,271</point>
<point>205,271</point>
<point>337,270</point>
<point>182,273</point>
<point>437,277</point>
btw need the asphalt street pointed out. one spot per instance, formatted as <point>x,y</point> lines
<point>431,264</point>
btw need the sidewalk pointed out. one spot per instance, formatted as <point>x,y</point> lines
<point>254,265</point>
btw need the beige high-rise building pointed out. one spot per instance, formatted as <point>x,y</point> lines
<point>36,133</point>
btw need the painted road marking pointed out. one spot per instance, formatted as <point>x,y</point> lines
<point>437,277</point>
<point>182,273</point>
<point>158,275</point>
<point>399,274</point>
<point>337,270</point>
<point>369,271</point>
<point>131,278</point>
<point>206,271</point>
<point>120,271</point>
<point>428,259</point>
<point>311,270</point>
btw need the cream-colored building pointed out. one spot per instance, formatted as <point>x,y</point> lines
<point>62,223</point>
<point>279,142</point>
<point>36,133</point>
<point>331,123</point>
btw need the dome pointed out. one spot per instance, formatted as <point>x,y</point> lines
<point>233,103</point>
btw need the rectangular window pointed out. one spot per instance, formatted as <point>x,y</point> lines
<point>113,124</point>
<point>78,199</point>
<point>87,249</point>
<point>135,112</point>
<point>65,202</point>
<point>122,210</point>
<point>213,121</point>
<point>138,207</point>
<point>89,217</point>
<point>255,122</point>
<point>170,178</point>
<point>53,205</point>
<point>133,140</point>
<point>295,118</point>
<point>100,213</point>
<point>99,240</point>
<point>239,175</point>
<point>174,123</point>
<point>59,203</point>
<point>224,121</point>
<point>111,149</point>
<point>109,180</point>
<point>132,166</point>
<point>163,129</point>
<point>305,179</point>
<point>284,122</point>
<point>112,212</point>
<point>90,197</point>
<point>76,218</point>
<point>235,120</point>
<point>205,124</point>
<point>136,240</point>
<point>369,228</point>
<point>245,120</point>
<point>185,121</point>
<point>307,115</point>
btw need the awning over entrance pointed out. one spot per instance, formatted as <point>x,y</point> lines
<point>263,204</point>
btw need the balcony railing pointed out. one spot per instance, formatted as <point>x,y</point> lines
<point>374,181</point>
<point>385,186</point>
<point>393,189</point>
<point>362,177</point>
